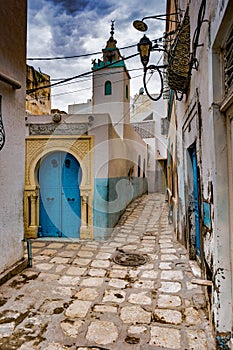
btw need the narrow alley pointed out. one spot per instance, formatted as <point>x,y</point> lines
<point>138,290</point>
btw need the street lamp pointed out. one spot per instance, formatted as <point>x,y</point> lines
<point>142,26</point>
<point>177,55</point>
<point>181,60</point>
<point>144,48</point>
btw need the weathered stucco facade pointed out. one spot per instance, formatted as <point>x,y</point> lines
<point>111,175</point>
<point>38,101</point>
<point>12,156</point>
<point>111,157</point>
<point>148,120</point>
<point>200,154</point>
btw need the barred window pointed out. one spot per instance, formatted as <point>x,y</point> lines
<point>228,62</point>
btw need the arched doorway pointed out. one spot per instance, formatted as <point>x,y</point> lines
<point>59,178</point>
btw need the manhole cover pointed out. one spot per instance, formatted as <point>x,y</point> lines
<point>130,259</point>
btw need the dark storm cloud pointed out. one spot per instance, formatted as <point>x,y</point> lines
<point>72,7</point>
<point>70,22</point>
<point>76,27</point>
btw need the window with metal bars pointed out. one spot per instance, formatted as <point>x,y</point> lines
<point>228,63</point>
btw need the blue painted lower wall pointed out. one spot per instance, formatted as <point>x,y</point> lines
<point>111,197</point>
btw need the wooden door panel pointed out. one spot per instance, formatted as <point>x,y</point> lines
<point>60,202</point>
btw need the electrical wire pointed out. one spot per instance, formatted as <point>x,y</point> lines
<point>81,75</point>
<point>99,75</point>
<point>128,111</point>
<point>129,70</point>
<point>74,56</point>
<point>79,90</point>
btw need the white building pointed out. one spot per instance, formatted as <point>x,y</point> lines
<point>112,95</point>
<point>200,145</point>
<point>12,131</point>
<point>99,148</point>
<point>82,108</point>
<point>148,118</point>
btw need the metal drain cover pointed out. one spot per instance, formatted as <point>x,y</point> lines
<point>130,259</point>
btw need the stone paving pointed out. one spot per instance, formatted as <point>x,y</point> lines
<point>76,296</point>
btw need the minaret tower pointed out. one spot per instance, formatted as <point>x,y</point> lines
<point>111,85</point>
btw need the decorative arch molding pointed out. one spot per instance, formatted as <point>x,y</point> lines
<point>37,147</point>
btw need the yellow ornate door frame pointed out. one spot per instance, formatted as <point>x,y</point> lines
<point>81,147</point>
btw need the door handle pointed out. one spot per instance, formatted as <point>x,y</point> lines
<point>50,199</point>
<point>71,199</point>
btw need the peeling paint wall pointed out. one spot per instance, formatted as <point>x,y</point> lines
<point>202,117</point>
<point>13,65</point>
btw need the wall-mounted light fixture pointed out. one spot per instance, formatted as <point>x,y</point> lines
<point>145,47</point>
<point>142,26</point>
<point>180,56</point>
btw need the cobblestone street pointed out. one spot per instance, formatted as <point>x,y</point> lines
<point>81,295</point>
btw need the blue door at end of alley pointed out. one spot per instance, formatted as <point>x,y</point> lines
<point>195,194</point>
<point>60,203</point>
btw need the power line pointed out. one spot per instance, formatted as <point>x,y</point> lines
<point>80,75</point>
<point>128,111</point>
<point>74,56</point>
<point>129,70</point>
<point>83,55</point>
<point>62,57</point>
<point>99,75</point>
<point>79,90</point>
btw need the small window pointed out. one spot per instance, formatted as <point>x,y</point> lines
<point>139,165</point>
<point>127,92</point>
<point>2,131</point>
<point>164,126</point>
<point>108,88</point>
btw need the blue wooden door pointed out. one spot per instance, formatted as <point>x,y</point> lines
<point>196,207</point>
<point>60,202</point>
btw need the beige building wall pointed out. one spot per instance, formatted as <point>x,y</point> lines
<point>12,156</point>
<point>39,101</point>
<point>104,158</point>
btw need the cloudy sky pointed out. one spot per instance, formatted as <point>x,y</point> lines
<point>61,28</point>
